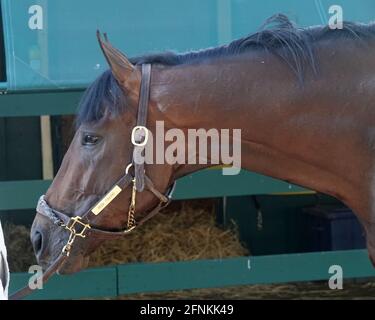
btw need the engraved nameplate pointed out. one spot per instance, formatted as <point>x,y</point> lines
<point>106,200</point>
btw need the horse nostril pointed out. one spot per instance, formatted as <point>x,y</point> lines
<point>37,241</point>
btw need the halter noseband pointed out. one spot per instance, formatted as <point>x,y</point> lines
<point>81,226</point>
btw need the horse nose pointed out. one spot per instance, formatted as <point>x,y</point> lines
<point>37,241</point>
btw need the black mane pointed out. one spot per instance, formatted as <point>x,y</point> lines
<point>278,36</point>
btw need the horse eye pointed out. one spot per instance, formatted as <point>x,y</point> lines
<point>90,139</point>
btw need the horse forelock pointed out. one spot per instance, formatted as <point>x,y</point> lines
<point>104,97</point>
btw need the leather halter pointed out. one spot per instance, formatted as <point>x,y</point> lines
<point>82,226</point>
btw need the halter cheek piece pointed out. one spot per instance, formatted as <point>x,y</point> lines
<point>81,226</point>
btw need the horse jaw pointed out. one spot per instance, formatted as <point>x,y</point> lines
<point>74,264</point>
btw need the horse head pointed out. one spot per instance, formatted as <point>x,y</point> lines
<point>100,188</point>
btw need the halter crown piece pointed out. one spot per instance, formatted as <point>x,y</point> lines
<point>81,226</point>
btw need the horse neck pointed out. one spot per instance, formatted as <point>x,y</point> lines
<point>245,92</point>
<point>286,129</point>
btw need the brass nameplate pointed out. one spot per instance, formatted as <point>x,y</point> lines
<point>106,200</point>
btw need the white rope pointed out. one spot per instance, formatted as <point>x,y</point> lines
<point>4,269</point>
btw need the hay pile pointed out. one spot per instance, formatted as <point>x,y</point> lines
<point>294,291</point>
<point>20,252</point>
<point>186,233</point>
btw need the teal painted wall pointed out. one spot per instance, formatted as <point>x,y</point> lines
<point>2,51</point>
<point>65,53</point>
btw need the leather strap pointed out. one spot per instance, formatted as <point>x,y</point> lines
<point>25,291</point>
<point>140,134</point>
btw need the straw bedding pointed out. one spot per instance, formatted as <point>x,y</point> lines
<point>177,234</point>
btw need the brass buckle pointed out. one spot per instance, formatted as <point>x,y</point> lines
<point>73,233</point>
<point>73,222</point>
<point>144,142</point>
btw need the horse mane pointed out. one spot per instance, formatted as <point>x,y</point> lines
<point>278,35</point>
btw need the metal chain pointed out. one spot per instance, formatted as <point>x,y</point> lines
<point>131,213</point>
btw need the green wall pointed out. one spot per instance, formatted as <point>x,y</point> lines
<point>65,53</point>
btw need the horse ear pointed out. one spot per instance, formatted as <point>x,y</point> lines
<point>121,67</point>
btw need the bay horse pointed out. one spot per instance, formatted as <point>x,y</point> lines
<point>304,100</point>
